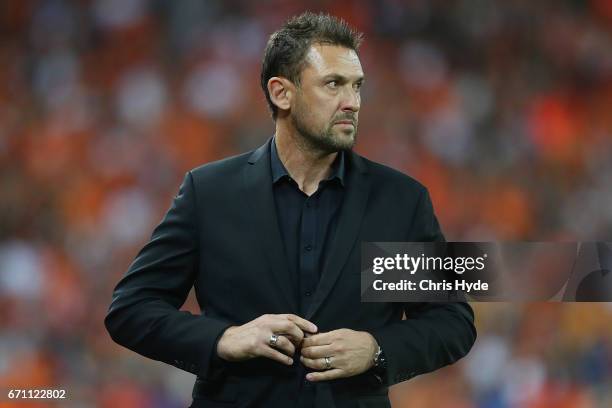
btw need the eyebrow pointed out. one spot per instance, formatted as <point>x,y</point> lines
<point>342,78</point>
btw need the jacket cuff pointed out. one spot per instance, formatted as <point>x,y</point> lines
<point>395,372</point>
<point>211,365</point>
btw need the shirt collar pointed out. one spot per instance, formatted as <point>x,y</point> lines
<point>279,171</point>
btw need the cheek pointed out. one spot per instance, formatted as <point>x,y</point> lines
<point>319,110</point>
<point>326,104</point>
<point>320,113</point>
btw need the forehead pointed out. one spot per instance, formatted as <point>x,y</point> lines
<point>323,59</point>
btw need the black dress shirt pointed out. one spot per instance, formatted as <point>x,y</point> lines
<point>307,223</point>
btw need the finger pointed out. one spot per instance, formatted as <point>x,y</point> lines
<point>302,323</point>
<point>276,355</point>
<point>288,329</point>
<point>314,363</point>
<point>320,339</point>
<point>284,345</point>
<point>317,351</point>
<point>326,375</point>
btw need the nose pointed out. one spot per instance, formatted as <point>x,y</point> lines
<point>351,100</point>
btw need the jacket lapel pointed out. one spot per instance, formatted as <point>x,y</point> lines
<point>260,200</point>
<point>351,215</point>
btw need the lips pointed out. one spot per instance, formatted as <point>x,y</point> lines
<point>344,122</point>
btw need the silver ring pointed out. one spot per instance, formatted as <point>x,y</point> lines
<point>273,340</point>
<point>328,363</point>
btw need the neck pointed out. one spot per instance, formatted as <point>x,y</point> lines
<point>305,164</point>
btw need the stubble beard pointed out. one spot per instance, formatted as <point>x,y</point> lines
<point>327,140</point>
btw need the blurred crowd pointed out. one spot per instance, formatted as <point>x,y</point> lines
<point>503,108</point>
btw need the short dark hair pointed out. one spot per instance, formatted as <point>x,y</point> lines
<point>286,50</point>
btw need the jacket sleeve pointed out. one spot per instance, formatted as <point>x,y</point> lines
<point>144,315</point>
<point>433,334</point>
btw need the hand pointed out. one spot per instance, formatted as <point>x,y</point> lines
<point>252,339</point>
<point>351,352</point>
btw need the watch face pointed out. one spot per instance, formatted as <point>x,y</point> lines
<point>379,359</point>
<point>382,360</point>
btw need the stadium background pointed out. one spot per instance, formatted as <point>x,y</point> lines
<point>502,108</point>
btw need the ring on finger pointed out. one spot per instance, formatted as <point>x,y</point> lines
<point>273,340</point>
<point>328,363</point>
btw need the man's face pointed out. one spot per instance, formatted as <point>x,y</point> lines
<point>326,106</point>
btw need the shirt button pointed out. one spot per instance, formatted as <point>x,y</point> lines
<point>308,247</point>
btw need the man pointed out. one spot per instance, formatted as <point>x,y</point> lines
<point>271,242</point>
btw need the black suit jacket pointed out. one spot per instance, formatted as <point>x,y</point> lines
<point>222,237</point>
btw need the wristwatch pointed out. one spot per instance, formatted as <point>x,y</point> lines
<point>380,360</point>
<point>380,366</point>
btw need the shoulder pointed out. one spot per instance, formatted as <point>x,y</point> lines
<point>227,167</point>
<point>385,177</point>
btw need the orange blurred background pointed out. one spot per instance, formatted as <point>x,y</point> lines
<point>502,108</point>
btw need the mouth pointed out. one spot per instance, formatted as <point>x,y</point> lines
<point>345,122</point>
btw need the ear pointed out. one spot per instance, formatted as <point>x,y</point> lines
<point>281,92</point>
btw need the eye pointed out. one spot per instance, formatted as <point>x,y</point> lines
<point>332,84</point>
<point>357,86</point>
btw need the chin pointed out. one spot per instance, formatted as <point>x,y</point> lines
<point>345,141</point>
